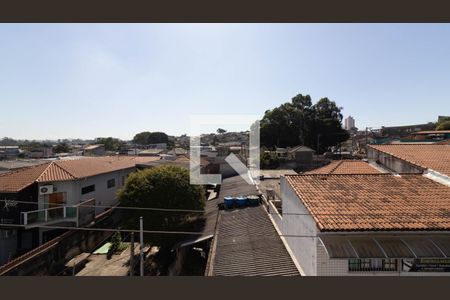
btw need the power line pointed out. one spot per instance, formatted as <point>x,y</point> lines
<point>114,207</point>
<point>204,211</point>
<point>108,229</point>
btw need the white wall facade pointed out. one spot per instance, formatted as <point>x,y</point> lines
<point>103,195</point>
<point>298,228</point>
<point>301,234</point>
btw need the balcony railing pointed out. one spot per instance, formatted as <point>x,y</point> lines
<point>50,215</point>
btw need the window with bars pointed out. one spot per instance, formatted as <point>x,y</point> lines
<point>372,264</point>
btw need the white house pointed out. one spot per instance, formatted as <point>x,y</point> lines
<point>366,224</point>
<point>50,193</point>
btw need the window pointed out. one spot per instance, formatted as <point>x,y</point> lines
<point>111,183</point>
<point>372,264</point>
<point>123,180</point>
<point>88,189</point>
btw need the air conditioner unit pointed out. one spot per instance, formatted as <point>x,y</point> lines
<point>46,189</point>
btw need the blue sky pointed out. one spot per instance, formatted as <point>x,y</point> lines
<point>91,80</point>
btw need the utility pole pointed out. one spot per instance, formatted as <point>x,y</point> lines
<point>132,254</point>
<point>367,139</point>
<point>141,233</point>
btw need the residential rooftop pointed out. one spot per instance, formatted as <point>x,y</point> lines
<point>64,170</point>
<point>374,202</point>
<point>246,242</point>
<point>434,157</point>
<point>346,167</point>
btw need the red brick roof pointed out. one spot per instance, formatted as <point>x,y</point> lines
<point>374,202</point>
<point>345,167</point>
<point>62,170</point>
<point>19,179</point>
<point>435,157</point>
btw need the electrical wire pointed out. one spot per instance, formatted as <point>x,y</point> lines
<point>204,211</point>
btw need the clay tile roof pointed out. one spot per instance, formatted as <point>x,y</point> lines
<point>62,170</point>
<point>434,157</point>
<point>374,202</point>
<point>19,179</point>
<point>346,167</point>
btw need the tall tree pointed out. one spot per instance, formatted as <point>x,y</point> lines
<point>165,187</point>
<point>300,122</point>
<point>111,144</point>
<point>147,137</point>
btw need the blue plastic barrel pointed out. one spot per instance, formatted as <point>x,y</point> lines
<point>228,201</point>
<point>241,201</point>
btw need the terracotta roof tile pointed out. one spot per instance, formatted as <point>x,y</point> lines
<point>19,179</point>
<point>62,170</point>
<point>435,157</point>
<point>374,202</point>
<point>346,167</point>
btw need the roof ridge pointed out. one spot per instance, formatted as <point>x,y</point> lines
<point>48,167</point>
<point>337,165</point>
<point>65,170</point>
<point>346,174</point>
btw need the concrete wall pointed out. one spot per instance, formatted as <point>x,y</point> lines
<point>391,162</point>
<point>303,244</point>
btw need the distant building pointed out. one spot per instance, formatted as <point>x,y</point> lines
<point>41,152</point>
<point>9,152</point>
<point>349,123</point>
<point>94,150</point>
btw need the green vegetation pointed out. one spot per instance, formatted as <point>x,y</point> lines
<point>111,144</point>
<point>61,148</point>
<point>161,187</point>
<point>116,245</point>
<point>443,125</point>
<point>299,122</point>
<point>221,131</point>
<point>269,161</point>
<point>146,137</point>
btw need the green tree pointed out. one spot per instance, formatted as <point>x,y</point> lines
<point>221,131</point>
<point>111,144</point>
<point>268,161</point>
<point>61,148</point>
<point>445,125</point>
<point>165,187</point>
<point>147,137</point>
<point>300,123</point>
<point>116,244</point>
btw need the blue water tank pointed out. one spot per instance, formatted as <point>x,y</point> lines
<point>241,201</point>
<point>228,201</point>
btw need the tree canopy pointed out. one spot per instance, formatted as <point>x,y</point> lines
<point>111,144</point>
<point>61,148</point>
<point>147,137</point>
<point>299,122</point>
<point>221,130</point>
<point>161,187</point>
<point>444,125</point>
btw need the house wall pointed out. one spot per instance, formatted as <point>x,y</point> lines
<point>391,162</point>
<point>303,244</point>
<point>339,267</point>
<point>103,195</point>
<point>8,242</point>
